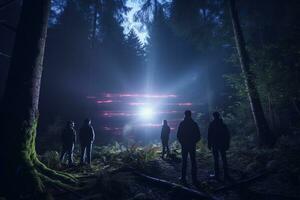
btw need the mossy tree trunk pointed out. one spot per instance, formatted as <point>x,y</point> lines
<point>261,123</point>
<point>22,175</point>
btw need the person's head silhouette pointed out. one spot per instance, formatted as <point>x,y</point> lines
<point>165,122</point>
<point>70,124</point>
<point>87,121</point>
<point>216,115</point>
<point>188,114</point>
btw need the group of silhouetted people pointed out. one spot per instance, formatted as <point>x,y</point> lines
<point>86,138</point>
<point>188,135</point>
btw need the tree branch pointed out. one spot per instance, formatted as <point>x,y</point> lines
<point>7,26</point>
<point>4,5</point>
<point>5,55</point>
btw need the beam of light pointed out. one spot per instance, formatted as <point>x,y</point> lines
<point>147,113</point>
<point>184,81</point>
<point>136,113</point>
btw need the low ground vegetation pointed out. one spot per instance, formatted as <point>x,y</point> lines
<point>111,175</point>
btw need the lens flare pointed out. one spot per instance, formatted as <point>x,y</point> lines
<point>147,113</point>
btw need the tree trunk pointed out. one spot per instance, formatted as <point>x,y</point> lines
<point>255,104</point>
<point>92,79</point>
<point>22,174</point>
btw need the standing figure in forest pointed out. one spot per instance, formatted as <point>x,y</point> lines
<point>188,135</point>
<point>165,134</point>
<point>68,137</point>
<point>218,142</point>
<point>86,137</point>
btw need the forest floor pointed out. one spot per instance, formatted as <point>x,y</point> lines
<point>256,173</point>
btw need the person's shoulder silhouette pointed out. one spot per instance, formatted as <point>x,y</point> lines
<point>188,130</point>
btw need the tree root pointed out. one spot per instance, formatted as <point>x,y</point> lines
<point>61,176</point>
<point>35,176</point>
<point>40,176</point>
<point>25,176</point>
<point>59,185</point>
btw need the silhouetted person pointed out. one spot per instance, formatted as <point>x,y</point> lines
<point>188,135</point>
<point>68,137</point>
<point>165,134</point>
<point>218,142</point>
<point>86,137</point>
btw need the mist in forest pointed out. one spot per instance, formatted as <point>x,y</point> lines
<point>142,87</point>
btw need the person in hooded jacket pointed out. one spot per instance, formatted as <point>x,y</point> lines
<point>165,134</point>
<point>218,142</point>
<point>86,137</point>
<point>68,138</point>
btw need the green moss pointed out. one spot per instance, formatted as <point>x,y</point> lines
<point>55,174</point>
<point>32,175</point>
<point>55,183</point>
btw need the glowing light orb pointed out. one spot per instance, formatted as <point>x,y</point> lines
<point>146,113</point>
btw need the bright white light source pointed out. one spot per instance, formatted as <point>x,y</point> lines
<point>146,113</point>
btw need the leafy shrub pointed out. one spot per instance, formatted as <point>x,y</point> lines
<point>51,159</point>
<point>118,154</point>
<point>202,146</point>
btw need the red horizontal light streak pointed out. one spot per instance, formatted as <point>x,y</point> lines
<point>134,113</point>
<point>148,125</point>
<point>151,125</point>
<point>185,104</point>
<point>112,128</point>
<point>168,112</point>
<point>110,95</point>
<point>167,104</point>
<point>104,101</point>
<point>179,104</point>
<point>118,114</point>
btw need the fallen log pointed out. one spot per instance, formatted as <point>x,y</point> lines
<point>241,183</point>
<point>176,187</point>
<point>6,4</point>
<point>4,55</point>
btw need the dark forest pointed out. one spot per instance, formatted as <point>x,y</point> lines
<point>150,99</point>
